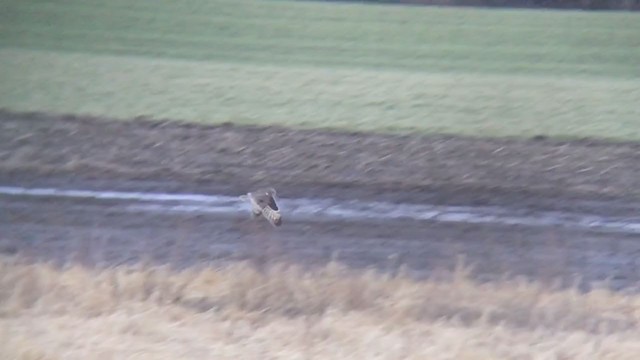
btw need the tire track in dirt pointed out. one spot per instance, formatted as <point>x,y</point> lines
<point>327,210</point>
<point>109,232</point>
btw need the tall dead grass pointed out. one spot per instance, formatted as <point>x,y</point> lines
<point>285,312</point>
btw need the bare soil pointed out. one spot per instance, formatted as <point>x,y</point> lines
<point>581,175</point>
<point>402,168</point>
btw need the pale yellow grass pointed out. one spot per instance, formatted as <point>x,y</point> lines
<point>284,312</point>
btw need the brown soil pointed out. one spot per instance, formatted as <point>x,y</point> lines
<point>63,231</point>
<point>408,168</point>
<point>588,176</point>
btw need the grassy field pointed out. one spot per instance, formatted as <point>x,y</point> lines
<point>346,66</point>
<point>284,313</point>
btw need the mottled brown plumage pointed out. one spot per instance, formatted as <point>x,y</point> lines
<point>263,202</point>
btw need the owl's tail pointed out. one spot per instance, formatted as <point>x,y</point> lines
<point>273,216</point>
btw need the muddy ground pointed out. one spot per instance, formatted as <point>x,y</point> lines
<point>585,176</point>
<point>229,158</point>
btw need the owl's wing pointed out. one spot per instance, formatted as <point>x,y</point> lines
<point>272,216</point>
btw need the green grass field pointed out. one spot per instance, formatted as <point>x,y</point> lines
<point>304,64</point>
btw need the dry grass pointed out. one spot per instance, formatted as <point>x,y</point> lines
<point>286,313</point>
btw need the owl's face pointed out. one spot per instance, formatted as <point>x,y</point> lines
<point>266,197</point>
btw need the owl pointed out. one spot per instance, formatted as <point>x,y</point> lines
<point>263,202</point>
